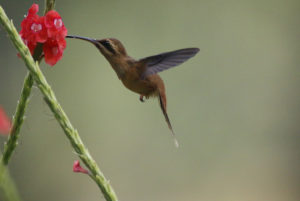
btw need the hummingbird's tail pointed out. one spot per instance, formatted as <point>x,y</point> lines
<point>83,38</point>
<point>163,105</point>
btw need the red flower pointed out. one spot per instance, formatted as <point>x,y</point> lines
<point>5,123</point>
<point>55,25</point>
<point>33,9</point>
<point>53,50</point>
<point>31,46</point>
<point>33,27</point>
<point>48,29</point>
<point>78,168</point>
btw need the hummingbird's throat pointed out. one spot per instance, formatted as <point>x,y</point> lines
<point>119,70</point>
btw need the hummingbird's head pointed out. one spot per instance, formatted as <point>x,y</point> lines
<point>111,47</point>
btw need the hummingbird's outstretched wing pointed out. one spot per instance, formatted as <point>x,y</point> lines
<point>164,61</point>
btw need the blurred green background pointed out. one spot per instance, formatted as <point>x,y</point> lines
<point>234,107</point>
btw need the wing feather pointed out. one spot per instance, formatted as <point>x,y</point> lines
<point>164,61</point>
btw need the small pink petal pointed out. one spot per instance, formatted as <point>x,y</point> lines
<point>5,123</point>
<point>78,168</point>
<point>33,9</point>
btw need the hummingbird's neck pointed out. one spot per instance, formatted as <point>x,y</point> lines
<point>120,65</point>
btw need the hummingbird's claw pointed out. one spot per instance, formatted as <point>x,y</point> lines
<point>142,98</point>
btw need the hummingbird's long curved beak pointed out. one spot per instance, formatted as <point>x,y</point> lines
<point>100,44</point>
<point>84,38</point>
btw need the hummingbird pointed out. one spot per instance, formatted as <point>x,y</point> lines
<point>141,76</point>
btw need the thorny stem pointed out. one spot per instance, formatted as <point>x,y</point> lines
<point>17,120</point>
<point>19,117</point>
<point>23,101</point>
<point>7,185</point>
<point>6,182</point>
<point>57,110</point>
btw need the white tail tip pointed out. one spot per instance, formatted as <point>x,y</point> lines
<point>176,143</point>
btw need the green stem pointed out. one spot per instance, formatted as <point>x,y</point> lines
<point>23,101</point>
<point>7,185</point>
<point>57,110</point>
<point>18,120</point>
<point>6,182</point>
<point>50,4</point>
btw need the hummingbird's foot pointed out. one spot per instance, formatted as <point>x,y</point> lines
<point>142,98</point>
<point>41,57</point>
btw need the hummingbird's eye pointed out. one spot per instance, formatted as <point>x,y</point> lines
<point>108,46</point>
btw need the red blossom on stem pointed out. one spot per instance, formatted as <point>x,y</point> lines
<point>5,123</point>
<point>33,9</point>
<point>55,25</point>
<point>49,30</point>
<point>78,168</point>
<point>33,28</point>
<point>53,50</point>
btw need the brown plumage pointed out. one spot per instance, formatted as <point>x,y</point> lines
<point>141,75</point>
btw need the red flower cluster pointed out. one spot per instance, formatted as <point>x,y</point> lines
<point>5,123</point>
<point>48,29</point>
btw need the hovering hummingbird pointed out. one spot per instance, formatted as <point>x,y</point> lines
<point>141,76</point>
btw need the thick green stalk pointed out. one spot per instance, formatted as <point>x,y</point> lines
<point>50,4</point>
<point>17,120</point>
<point>57,110</point>
<point>23,101</point>
<point>7,185</point>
